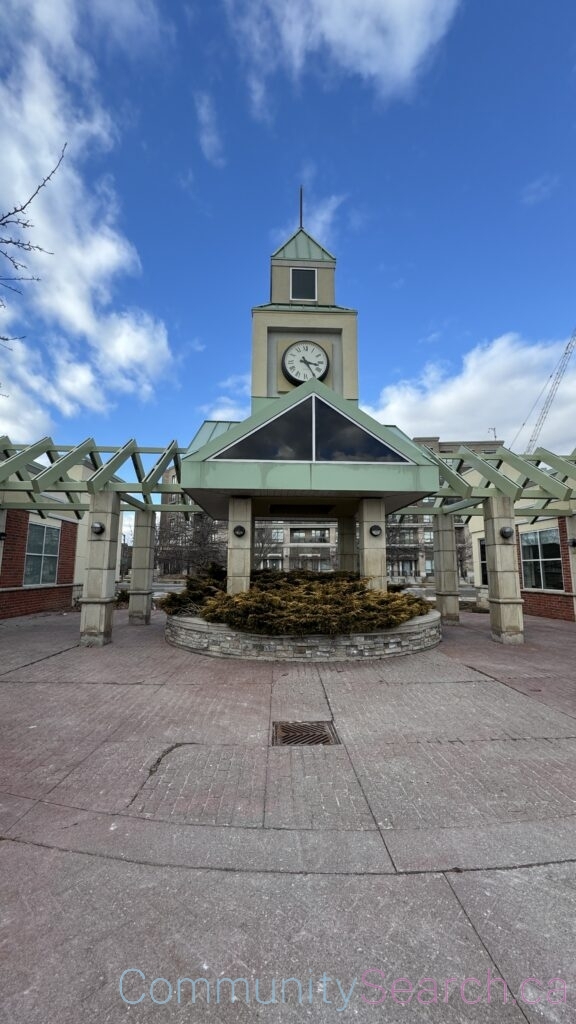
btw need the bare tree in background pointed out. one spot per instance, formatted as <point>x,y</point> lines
<point>188,545</point>
<point>15,243</point>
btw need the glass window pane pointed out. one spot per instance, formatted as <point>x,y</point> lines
<point>287,438</point>
<point>32,569</point>
<point>49,566</point>
<point>340,440</point>
<point>532,575</point>
<point>51,541</point>
<point>35,539</point>
<point>550,543</point>
<point>530,546</point>
<point>553,575</point>
<point>303,283</point>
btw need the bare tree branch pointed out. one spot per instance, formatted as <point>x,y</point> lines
<point>13,242</point>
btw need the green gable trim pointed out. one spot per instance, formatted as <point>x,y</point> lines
<point>312,431</point>
<point>301,246</point>
<point>393,437</point>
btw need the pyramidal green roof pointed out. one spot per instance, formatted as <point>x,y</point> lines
<point>301,246</point>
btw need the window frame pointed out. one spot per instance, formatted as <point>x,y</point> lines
<point>540,561</point>
<point>297,298</point>
<point>45,557</point>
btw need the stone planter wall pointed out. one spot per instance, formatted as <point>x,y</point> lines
<point>221,641</point>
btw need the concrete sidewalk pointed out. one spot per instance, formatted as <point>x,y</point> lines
<point>148,826</point>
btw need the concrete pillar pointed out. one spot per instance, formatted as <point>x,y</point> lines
<point>446,568</point>
<point>141,588</point>
<point>347,544</point>
<point>372,549</point>
<point>504,597</point>
<point>239,547</point>
<point>97,604</point>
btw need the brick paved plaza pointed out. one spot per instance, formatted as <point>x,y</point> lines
<point>148,824</point>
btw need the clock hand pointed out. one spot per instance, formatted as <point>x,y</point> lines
<point>311,366</point>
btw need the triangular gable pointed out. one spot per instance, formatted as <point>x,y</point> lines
<point>414,454</point>
<point>311,431</point>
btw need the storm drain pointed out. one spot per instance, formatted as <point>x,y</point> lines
<point>307,734</point>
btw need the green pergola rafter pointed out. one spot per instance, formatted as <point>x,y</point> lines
<point>541,483</point>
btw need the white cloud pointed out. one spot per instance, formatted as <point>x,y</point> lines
<point>495,387</point>
<point>82,348</point>
<point>232,406</point>
<point>539,190</point>
<point>385,42</point>
<point>210,138</point>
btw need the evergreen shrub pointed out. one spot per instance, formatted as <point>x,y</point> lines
<point>317,603</point>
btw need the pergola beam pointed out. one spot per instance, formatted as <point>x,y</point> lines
<point>502,484</point>
<point>546,482</point>
<point>152,478</point>
<point>102,476</point>
<point>23,458</point>
<point>59,468</point>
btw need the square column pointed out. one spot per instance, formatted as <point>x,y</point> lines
<point>100,576</point>
<point>446,568</point>
<point>372,549</point>
<point>347,544</point>
<point>504,596</point>
<point>239,547</point>
<point>141,590</point>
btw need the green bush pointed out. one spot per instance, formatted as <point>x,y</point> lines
<point>323,603</point>
<point>198,589</point>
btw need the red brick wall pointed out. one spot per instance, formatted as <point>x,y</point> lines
<point>550,605</point>
<point>14,552</point>
<point>67,553</point>
<point>30,600</point>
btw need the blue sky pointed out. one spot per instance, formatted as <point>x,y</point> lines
<point>435,140</point>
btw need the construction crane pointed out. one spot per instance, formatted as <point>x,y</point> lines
<point>556,379</point>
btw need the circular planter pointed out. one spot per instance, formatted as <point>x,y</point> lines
<point>221,641</point>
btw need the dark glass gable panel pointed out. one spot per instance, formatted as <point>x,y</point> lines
<point>340,440</point>
<point>287,438</point>
<point>303,283</point>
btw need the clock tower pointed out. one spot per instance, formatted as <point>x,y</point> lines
<point>301,333</point>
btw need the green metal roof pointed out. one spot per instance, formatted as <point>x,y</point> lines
<point>301,246</point>
<point>209,430</point>
<point>308,308</point>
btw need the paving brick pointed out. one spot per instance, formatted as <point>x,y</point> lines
<point>206,785</point>
<point>314,787</point>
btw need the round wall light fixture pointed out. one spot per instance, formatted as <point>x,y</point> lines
<point>506,532</point>
<point>376,531</point>
<point>239,531</point>
<point>98,528</point>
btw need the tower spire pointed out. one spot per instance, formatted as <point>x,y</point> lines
<point>301,206</point>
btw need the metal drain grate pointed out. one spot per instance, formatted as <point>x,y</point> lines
<point>290,734</point>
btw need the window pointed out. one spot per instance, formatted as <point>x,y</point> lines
<point>428,536</point>
<point>319,536</point>
<point>41,555</point>
<point>297,536</point>
<point>311,431</point>
<point>303,284</point>
<point>277,535</point>
<point>541,562</point>
<point>483,563</point>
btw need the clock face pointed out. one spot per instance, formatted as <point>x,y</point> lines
<point>304,360</point>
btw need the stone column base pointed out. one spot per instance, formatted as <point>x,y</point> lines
<point>140,607</point>
<point>96,621</point>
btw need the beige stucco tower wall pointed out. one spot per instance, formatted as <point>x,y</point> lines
<point>288,319</point>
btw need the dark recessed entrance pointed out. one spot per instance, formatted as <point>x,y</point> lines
<point>307,734</point>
